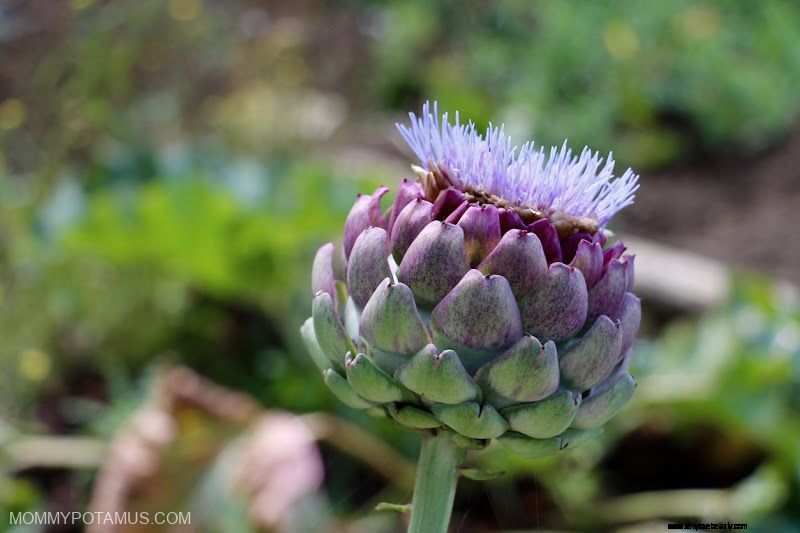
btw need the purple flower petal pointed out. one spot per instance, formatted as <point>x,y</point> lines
<point>448,201</point>
<point>630,317</point>
<point>519,258</point>
<point>549,237</point>
<point>367,266</point>
<point>479,314</point>
<point>557,306</point>
<point>628,260</point>
<point>322,278</point>
<point>408,192</point>
<point>590,360</point>
<point>366,212</point>
<point>614,252</point>
<point>589,260</point>
<point>605,298</point>
<point>481,226</point>
<point>455,216</point>
<point>600,237</point>
<point>409,223</point>
<point>434,263</point>
<point>510,220</point>
<point>569,245</point>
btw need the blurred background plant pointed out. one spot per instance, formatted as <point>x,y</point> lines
<point>168,168</point>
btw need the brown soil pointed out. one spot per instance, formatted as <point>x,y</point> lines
<point>739,211</point>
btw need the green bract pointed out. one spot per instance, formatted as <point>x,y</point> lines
<point>487,342</point>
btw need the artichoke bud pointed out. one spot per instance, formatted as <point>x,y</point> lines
<point>486,301</point>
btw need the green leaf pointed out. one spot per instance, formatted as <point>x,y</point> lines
<point>310,340</point>
<point>413,417</point>
<point>528,447</point>
<point>546,418</point>
<point>342,390</point>
<point>599,407</point>
<point>472,420</point>
<point>373,383</point>
<point>527,372</point>
<point>333,340</point>
<point>438,377</point>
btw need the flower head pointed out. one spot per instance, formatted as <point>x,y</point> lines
<point>487,302</point>
<point>577,189</point>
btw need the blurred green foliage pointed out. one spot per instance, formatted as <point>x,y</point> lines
<point>655,83</point>
<point>184,266</point>
<point>749,355</point>
<point>652,81</point>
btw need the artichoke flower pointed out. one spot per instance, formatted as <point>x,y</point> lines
<point>488,300</point>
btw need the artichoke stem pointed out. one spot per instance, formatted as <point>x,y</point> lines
<point>435,486</point>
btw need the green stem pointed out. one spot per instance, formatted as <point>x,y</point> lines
<point>435,487</point>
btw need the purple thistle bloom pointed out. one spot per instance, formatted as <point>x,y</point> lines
<point>556,187</point>
<point>487,302</point>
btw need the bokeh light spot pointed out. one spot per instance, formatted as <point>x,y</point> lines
<point>34,365</point>
<point>12,114</point>
<point>621,41</point>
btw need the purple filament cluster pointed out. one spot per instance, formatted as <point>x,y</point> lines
<point>554,182</point>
